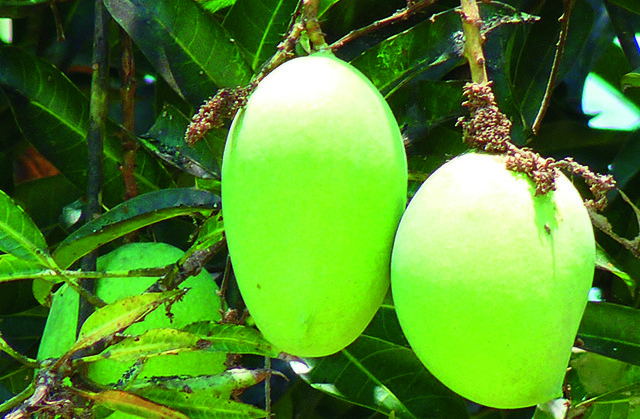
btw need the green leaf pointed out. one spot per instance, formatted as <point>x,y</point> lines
<point>259,27</point>
<point>159,342</point>
<point>54,116</point>
<point>165,139</point>
<point>605,262</point>
<point>131,215</point>
<point>215,5</point>
<point>611,330</point>
<point>630,5</point>
<point>20,236</point>
<point>222,385</point>
<point>201,404</point>
<point>13,268</point>
<point>630,80</point>
<point>119,315</point>
<point>429,49</point>
<point>132,404</point>
<point>380,371</point>
<point>187,46</point>
<point>231,338</point>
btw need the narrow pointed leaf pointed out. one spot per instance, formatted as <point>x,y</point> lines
<point>259,26</point>
<point>215,5</point>
<point>13,268</point>
<point>231,338</point>
<point>133,405</point>
<point>119,315</point>
<point>630,80</point>
<point>223,384</point>
<point>201,404</point>
<point>20,236</point>
<point>131,215</point>
<point>166,140</point>
<point>186,45</point>
<point>380,371</point>
<point>611,330</point>
<point>54,116</point>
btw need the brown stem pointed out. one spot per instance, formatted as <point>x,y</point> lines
<point>402,14</point>
<point>127,95</point>
<point>473,40</point>
<point>555,68</point>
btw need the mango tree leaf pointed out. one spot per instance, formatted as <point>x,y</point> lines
<point>611,330</point>
<point>324,5</point>
<point>630,80</point>
<point>13,268</point>
<point>630,5</point>
<point>202,404</point>
<point>215,5</point>
<point>132,404</point>
<point>605,262</point>
<point>20,236</point>
<point>223,384</point>
<point>119,315</point>
<point>166,140</point>
<point>187,46</point>
<point>231,338</point>
<point>380,371</point>
<point>156,342</point>
<point>259,27</point>
<point>429,49</point>
<point>131,215</point>
<point>54,116</point>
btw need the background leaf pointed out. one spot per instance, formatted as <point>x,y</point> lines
<point>185,44</point>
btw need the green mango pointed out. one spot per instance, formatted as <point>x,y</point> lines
<point>200,303</point>
<point>314,182</point>
<point>490,281</point>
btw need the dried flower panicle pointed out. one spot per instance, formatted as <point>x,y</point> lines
<point>216,111</point>
<point>488,129</point>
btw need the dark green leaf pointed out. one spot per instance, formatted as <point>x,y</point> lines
<point>20,236</point>
<point>54,116</point>
<point>165,139</point>
<point>380,371</point>
<point>631,5</point>
<point>131,215</point>
<point>611,330</point>
<point>605,262</point>
<point>259,26</point>
<point>185,44</point>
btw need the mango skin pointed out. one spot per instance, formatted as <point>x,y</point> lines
<point>200,303</point>
<point>490,282</point>
<point>314,182</point>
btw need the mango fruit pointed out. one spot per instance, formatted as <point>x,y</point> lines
<point>490,282</point>
<point>314,182</point>
<point>200,303</point>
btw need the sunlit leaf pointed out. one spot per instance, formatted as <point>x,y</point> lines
<point>187,46</point>
<point>215,5</point>
<point>13,268</point>
<point>131,215</point>
<point>20,236</point>
<point>133,405</point>
<point>201,404</point>
<point>119,315</point>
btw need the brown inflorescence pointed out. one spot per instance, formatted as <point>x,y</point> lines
<point>488,129</point>
<point>216,111</point>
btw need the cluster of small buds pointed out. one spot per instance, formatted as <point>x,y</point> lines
<point>216,111</point>
<point>488,129</point>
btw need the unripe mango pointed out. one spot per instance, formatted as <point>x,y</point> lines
<point>490,282</point>
<point>314,182</point>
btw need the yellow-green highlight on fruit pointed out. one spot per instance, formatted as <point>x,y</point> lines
<point>490,282</point>
<point>200,303</point>
<point>314,182</point>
